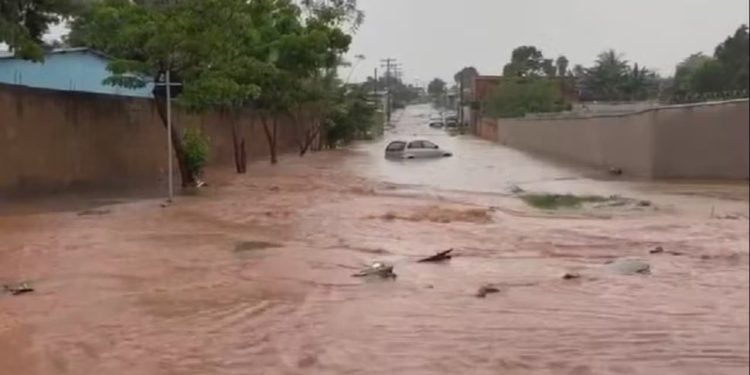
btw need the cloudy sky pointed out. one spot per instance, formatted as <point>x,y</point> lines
<point>435,38</point>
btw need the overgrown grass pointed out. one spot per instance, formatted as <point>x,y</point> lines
<point>555,201</point>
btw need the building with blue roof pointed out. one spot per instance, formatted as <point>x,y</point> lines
<point>67,69</point>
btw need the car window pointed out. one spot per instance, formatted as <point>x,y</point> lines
<point>428,144</point>
<point>416,144</point>
<point>395,146</point>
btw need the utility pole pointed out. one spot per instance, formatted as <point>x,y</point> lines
<point>388,64</point>
<point>169,138</point>
<point>461,100</point>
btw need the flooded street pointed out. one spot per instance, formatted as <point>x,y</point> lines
<point>253,275</point>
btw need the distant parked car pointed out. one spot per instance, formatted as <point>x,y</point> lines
<point>436,123</point>
<point>416,149</point>
<point>451,121</point>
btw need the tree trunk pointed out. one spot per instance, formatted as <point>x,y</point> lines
<point>238,141</point>
<point>187,178</point>
<point>309,138</point>
<point>270,137</point>
<point>274,160</point>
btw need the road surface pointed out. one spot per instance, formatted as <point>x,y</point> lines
<point>253,275</point>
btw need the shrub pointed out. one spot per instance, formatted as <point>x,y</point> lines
<point>517,97</point>
<point>196,150</point>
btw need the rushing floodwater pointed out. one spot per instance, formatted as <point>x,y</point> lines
<point>141,289</point>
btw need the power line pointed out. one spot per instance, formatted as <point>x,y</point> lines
<point>389,64</point>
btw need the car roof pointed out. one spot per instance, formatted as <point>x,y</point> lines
<point>411,140</point>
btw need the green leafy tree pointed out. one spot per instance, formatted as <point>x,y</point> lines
<point>606,79</point>
<point>338,13</point>
<point>640,84</point>
<point>528,61</point>
<point>355,117</point>
<point>515,97</point>
<point>612,78</point>
<point>23,23</point>
<point>209,46</point>
<point>302,50</point>
<point>734,56</point>
<point>561,66</point>
<point>228,55</point>
<point>466,76</point>
<point>727,70</point>
<point>685,70</point>
<point>436,87</point>
<point>710,77</point>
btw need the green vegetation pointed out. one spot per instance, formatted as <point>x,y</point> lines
<point>535,84</point>
<point>519,96</point>
<point>401,93</point>
<point>466,76</point>
<point>532,84</point>
<point>561,64</point>
<point>273,56</point>
<point>354,118</point>
<point>196,150</point>
<point>612,78</point>
<point>528,61</point>
<point>24,22</point>
<point>437,90</point>
<point>436,87</point>
<point>555,201</point>
<point>726,70</point>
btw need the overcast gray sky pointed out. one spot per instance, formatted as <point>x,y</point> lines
<point>435,38</point>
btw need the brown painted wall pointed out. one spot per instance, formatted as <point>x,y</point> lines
<point>52,140</point>
<point>703,141</point>
<point>693,141</point>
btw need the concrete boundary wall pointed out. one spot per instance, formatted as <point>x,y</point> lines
<point>707,140</point>
<point>58,140</point>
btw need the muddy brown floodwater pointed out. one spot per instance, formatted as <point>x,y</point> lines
<point>253,276</point>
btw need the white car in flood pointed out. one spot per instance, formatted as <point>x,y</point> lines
<point>416,149</point>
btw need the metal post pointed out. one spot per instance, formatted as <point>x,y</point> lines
<point>461,101</point>
<point>169,138</point>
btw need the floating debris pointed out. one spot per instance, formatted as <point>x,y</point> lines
<point>657,250</point>
<point>615,171</point>
<point>515,189</point>
<point>660,250</point>
<point>254,245</point>
<point>381,269</point>
<point>571,276</point>
<point>91,212</point>
<point>19,288</point>
<point>486,289</point>
<point>438,257</point>
<point>630,267</point>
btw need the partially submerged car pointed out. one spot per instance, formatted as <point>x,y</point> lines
<point>436,123</point>
<point>451,121</point>
<point>416,149</point>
